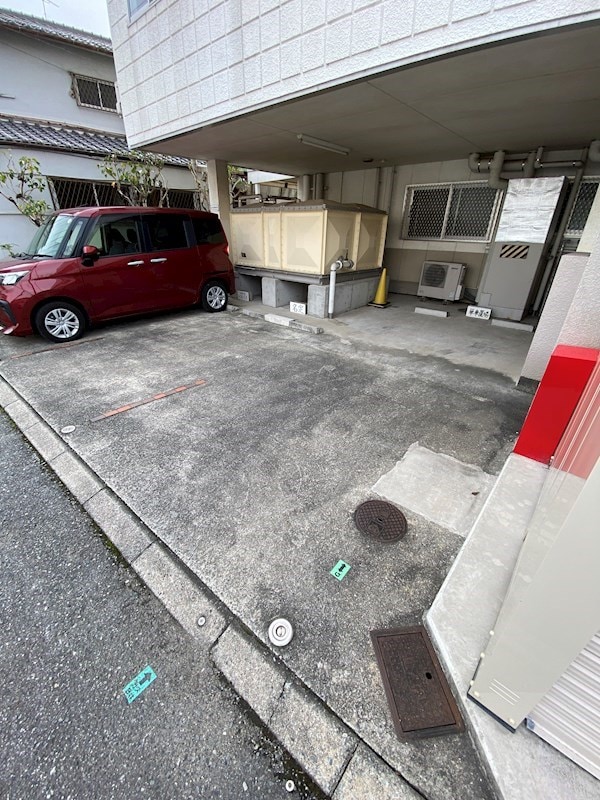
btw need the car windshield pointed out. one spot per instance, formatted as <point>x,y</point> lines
<point>48,240</point>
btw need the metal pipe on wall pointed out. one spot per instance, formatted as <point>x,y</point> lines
<point>561,165</point>
<point>550,268</point>
<point>385,188</point>
<point>331,304</point>
<point>304,187</point>
<point>318,186</point>
<point>594,151</point>
<point>495,181</point>
<point>341,263</point>
<point>527,163</point>
<point>480,162</point>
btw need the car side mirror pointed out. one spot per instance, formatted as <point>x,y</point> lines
<point>90,254</point>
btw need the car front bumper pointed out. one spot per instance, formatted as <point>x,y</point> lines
<point>9,320</point>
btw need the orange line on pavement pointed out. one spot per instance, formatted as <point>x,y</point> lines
<point>158,396</point>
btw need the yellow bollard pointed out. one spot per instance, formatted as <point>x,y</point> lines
<point>381,300</point>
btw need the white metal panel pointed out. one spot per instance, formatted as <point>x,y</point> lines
<point>550,612</point>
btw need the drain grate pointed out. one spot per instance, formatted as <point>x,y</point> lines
<point>417,692</point>
<point>380,520</point>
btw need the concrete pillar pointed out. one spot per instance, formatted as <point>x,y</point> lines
<point>581,327</point>
<point>556,309</point>
<point>218,192</point>
<point>572,311</point>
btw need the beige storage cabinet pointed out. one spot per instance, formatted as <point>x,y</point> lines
<point>308,237</point>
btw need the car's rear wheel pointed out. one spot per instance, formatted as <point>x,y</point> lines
<point>60,321</point>
<point>213,296</point>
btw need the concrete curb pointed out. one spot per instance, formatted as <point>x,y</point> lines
<point>279,319</point>
<point>332,755</point>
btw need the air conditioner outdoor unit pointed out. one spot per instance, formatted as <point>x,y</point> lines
<point>442,280</point>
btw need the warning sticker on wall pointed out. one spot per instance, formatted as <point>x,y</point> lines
<point>514,251</point>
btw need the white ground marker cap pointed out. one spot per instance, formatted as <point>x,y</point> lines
<point>281,632</point>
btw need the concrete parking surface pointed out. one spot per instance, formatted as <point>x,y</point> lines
<point>76,625</point>
<point>251,479</point>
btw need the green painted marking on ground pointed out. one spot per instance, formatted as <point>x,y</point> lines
<point>340,570</point>
<point>135,687</point>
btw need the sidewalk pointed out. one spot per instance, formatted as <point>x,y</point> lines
<point>233,499</point>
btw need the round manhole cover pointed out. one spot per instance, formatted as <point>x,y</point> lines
<point>380,520</point>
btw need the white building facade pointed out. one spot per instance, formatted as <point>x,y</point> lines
<point>60,104</point>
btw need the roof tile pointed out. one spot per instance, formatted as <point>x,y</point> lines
<point>53,30</point>
<point>49,136</point>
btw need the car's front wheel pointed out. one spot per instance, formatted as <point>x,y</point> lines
<point>60,321</point>
<point>213,296</point>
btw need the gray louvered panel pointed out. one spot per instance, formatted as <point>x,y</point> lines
<point>568,717</point>
<point>573,746</point>
<point>574,714</point>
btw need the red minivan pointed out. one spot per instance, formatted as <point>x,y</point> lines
<point>90,264</point>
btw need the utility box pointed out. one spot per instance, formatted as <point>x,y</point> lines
<point>306,238</point>
<point>514,273</point>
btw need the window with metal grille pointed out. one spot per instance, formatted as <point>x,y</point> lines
<point>581,209</point>
<point>180,198</point>
<point>94,93</point>
<point>175,198</point>
<point>451,211</point>
<point>69,193</point>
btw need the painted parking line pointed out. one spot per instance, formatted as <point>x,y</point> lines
<point>146,400</point>
<point>54,347</point>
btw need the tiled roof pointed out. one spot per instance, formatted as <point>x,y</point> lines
<point>53,30</point>
<point>50,136</point>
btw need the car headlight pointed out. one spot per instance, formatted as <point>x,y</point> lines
<point>10,278</point>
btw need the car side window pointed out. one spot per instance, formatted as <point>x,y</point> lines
<point>167,231</point>
<point>208,230</point>
<point>115,236</point>
<point>69,246</point>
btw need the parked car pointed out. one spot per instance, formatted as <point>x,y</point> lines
<point>90,264</point>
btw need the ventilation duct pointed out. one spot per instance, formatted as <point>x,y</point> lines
<point>594,151</point>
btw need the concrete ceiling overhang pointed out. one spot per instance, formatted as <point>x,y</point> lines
<point>516,96</point>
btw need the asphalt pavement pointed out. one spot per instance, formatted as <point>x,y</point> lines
<point>76,626</point>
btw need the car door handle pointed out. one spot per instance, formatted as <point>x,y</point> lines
<point>135,263</point>
<point>157,260</point>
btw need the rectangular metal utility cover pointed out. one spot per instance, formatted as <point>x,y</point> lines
<point>417,691</point>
